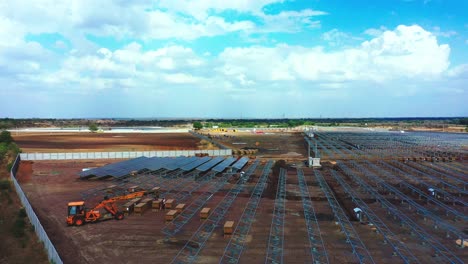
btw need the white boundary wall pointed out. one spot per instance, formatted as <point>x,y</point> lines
<point>122,154</point>
<point>41,233</point>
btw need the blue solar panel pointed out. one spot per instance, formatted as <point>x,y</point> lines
<point>118,167</point>
<point>172,164</point>
<point>122,168</point>
<point>156,163</point>
<point>195,164</point>
<point>240,163</point>
<point>210,164</point>
<point>223,165</point>
<point>180,162</point>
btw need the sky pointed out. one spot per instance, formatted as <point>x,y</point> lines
<point>233,59</point>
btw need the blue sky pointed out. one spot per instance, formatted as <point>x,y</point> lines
<point>232,59</point>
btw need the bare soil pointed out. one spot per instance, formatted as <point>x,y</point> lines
<point>278,145</point>
<point>82,142</point>
<point>50,185</point>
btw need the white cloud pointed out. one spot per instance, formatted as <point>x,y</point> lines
<point>16,55</point>
<point>402,61</point>
<point>336,37</point>
<point>186,19</point>
<point>164,25</point>
<point>181,78</point>
<point>446,34</point>
<point>406,52</point>
<point>290,21</point>
<point>200,8</point>
<point>127,68</point>
<point>60,44</point>
<point>374,32</point>
<point>459,71</point>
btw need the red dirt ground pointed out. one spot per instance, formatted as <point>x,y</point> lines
<point>138,238</point>
<point>82,142</point>
<point>278,145</point>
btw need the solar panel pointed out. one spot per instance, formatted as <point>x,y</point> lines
<point>179,162</point>
<point>126,165</point>
<point>240,163</point>
<point>210,164</point>
<point>195,164</point>
<point>156,163</point>
<point>122,168</point>
<point>223,165</point>
<point>172,164</point>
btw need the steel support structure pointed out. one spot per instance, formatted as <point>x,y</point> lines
<point>235,247</point>
<point>352,238</point>
<point>432,171</point>
<point>276,238</point>
<point>444,184</point>
<point>176,225</point>
<point>415,230</point>
<point>446,195</point>
<point>389,237</point>
<point>448,210</point>
<point>438,222</point>
<point>453,167</point>
<point>317,248</point>
<point>191,249</point>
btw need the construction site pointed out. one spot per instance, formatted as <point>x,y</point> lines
<point>312,196</point>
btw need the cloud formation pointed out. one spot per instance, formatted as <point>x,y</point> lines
<point>399,61</point>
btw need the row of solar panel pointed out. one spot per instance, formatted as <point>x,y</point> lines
<point>126,167</point>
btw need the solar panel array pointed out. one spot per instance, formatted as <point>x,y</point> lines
<point>210,164</point>
<point>179,163</point>
<point>122,168</point>
<point>195,164</point>
<point>240,163</point>
<point>223,165</point>
<point>157,163</point>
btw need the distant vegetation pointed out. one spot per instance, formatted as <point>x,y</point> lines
<point>464,121</point>
<point>197,125</point>
<point>8,149</point>
<point>9,123</point>
<point>93,127</point>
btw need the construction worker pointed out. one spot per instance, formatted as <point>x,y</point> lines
<point>431,191</point>
<point>358,213</point>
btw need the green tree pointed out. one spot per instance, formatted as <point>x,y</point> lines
<point>197,125</point>
<point>5,137</point>
<point>93,127</point>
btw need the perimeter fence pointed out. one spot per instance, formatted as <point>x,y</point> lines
<point>38,228</point>
<point>122,154</point>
